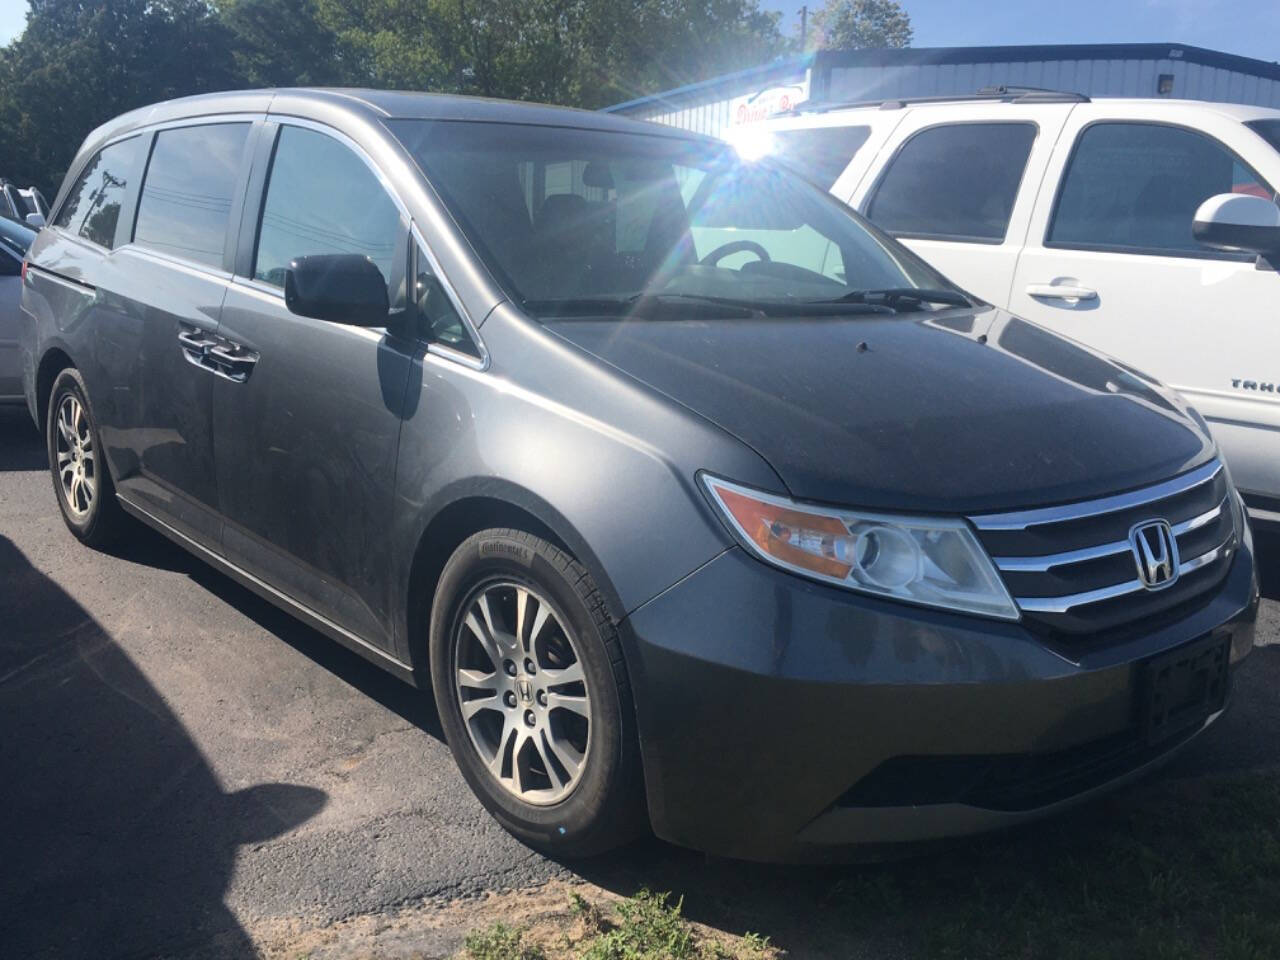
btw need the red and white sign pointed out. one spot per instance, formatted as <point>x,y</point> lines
<point>755,107</point>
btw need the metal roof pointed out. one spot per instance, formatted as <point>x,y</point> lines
<point>825,61</point>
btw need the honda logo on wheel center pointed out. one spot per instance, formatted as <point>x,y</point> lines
<point>1155,550</point>
<point>524,690</point>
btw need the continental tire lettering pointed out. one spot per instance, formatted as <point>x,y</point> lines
<point>505,548</point>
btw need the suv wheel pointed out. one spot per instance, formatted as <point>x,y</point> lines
<point>529,680</point>
<point>80,477</point>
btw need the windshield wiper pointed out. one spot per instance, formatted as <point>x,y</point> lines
<point>892,296</point>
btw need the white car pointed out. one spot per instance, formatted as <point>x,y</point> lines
<point>1078,215</point>
<point>15,239</point>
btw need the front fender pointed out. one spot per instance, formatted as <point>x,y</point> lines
<point>605,462</point>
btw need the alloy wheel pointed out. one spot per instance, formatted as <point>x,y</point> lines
<point>522,692</point>
<point>77,459</point>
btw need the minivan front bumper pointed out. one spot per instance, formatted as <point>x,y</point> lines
<point>786,720</point>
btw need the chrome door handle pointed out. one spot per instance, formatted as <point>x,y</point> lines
<point>196,342</point>
<point>1061,291</point>
<point>216,354</point>
<point>235,362</point>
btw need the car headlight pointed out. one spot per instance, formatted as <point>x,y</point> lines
<point>932,561</point>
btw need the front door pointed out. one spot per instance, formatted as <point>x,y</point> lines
<point>1110,261</point>
<point>306,436</point>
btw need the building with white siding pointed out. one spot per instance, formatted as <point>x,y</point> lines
<point>1172,70</point>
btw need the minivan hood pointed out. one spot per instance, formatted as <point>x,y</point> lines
<point>961,412</point>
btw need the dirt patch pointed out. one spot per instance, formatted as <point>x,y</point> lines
<point>556,921</point>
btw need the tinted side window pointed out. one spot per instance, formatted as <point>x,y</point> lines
<point>956,182</point>
<point>1269,130</point>
<point>819,154</point>
<point>10,266</point>
<point>187,192</point>
<point>1136,186</point>
<point>322,198</point>
<point>92,207</point>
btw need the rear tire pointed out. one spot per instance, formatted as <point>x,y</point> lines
<point>81,480</point>
<point>521,641</point>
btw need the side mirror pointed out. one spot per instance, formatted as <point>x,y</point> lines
<point>35,220</point>
<point>338,287</point>
<point>1239,222</point>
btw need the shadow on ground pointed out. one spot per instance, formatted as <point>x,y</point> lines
<point>117,838</point>
<point>20,442</point>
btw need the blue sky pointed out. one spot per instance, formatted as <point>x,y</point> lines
<point>1250,28</point>
<point>1247,27</point>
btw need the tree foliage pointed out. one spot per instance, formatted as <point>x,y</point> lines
<point>863,25</point>
<point>81,62</point>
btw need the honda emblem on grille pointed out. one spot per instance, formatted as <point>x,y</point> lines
<point>1155,550</point>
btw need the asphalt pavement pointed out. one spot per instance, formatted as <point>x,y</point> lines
<point>180,762</point>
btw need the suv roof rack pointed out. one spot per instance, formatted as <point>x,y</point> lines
<point>1002,93</point>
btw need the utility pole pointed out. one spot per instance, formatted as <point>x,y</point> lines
<point>804,27</point>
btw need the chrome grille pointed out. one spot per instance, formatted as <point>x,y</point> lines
<point>1072,568</point>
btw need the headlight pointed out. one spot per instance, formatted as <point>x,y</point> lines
<point>933,561</point>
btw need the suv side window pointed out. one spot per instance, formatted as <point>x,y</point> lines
<point>10,266</point>
<point>954,182</point>
<point>1268,130</point>
<point>819,154</point>
<point>322,198</point>
<point>187,191</point>
<point>1135,187</point>
<point>92,207</point>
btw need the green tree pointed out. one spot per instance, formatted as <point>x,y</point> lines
<point>283,43</point>
<point>81,62</point>
<point>863,25</point>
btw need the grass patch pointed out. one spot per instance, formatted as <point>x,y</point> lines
<point>647,926</point>
<point>502,942</point>
<point>1191,870</point>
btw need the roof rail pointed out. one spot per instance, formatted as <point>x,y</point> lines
<point>1004,93</point>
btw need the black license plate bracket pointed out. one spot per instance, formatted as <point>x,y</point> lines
<point>1183,687</point>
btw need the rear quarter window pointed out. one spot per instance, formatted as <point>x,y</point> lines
<point>954,182</point>
<point>92,207</point>
<point>1268,130</point>
<point>819,154</point>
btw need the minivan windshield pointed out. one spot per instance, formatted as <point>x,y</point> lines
<point>576,221</point>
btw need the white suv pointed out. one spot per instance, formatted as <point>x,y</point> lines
<point>1078,214</point>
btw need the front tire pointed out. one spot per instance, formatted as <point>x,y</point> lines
<point>533,695</point>
<point>81,480</point>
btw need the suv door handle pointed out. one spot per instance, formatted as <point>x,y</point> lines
<point>1061,291</point>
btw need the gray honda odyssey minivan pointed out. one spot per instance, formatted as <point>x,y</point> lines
<point>692,498</point>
